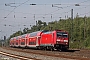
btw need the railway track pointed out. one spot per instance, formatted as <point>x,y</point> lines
<point>17,56</point>
<point>67,55</point>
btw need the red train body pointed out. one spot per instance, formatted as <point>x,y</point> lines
<point>57,39</point>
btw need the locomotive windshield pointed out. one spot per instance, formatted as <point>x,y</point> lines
<point>62,34</point>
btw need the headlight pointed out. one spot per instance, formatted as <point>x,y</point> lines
<point>58,39</point>
<point>65,40</point>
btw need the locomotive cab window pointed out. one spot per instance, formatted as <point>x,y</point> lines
<point>62,34</point>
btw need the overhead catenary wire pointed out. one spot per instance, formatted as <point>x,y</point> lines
<point>15,8</point>
<point>84,13</point>
<point>53,12</point>
<point>48,13</point>
<point>46,4</point>
<point>63,8</point>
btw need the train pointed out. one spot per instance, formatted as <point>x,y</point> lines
<point>45,39</point>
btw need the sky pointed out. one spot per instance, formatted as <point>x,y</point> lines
<point>16,15</point>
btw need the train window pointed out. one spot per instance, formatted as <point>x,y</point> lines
<point>12,43</point>
<point>23,36</point>
<point>32,43</point>
<point>62,34</point>
<point>22,43</point>
<point>34,33</point>
<point>16,43</point>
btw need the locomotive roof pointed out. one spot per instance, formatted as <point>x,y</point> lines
<point>47,32</point>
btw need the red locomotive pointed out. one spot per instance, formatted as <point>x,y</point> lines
<point>57,39</point>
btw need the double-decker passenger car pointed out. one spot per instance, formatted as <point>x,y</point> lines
<point>11,42</point>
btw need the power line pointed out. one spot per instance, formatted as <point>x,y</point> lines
<point>16,7</point>
<point>84,1</point>
<point>69,6</point>
<point>84,13</point>
<point>44,4</point>
<point>53,12</point>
